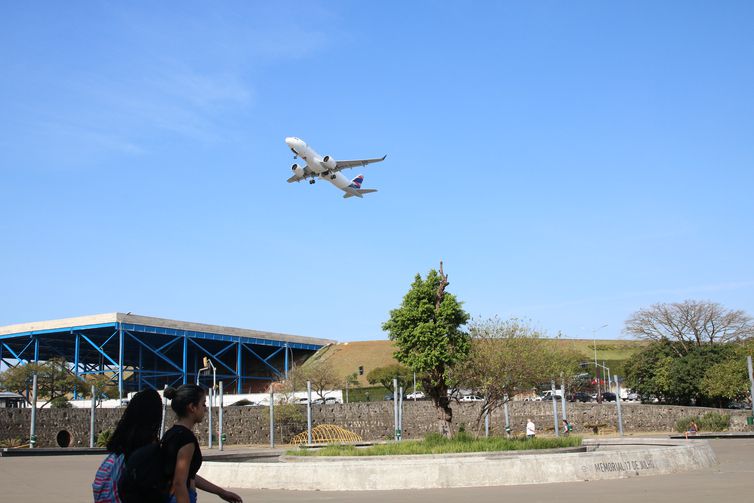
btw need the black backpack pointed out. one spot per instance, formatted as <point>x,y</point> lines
<point>146,477</point>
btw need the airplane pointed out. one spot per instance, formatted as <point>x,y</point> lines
<point>327,168</point>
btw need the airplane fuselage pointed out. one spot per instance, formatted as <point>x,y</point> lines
<point>315,162</point>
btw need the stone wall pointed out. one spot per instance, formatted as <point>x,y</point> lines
<point>371,420</point>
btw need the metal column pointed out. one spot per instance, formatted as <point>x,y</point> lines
<point>239,384</point>
<point>286,361</point>
<point>76,365</point>
<point>120,363</point>
<point>141,361</point>
<point>185,359</point>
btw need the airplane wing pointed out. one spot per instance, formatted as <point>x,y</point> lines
<point>307,173</point>
<point>358,162</point>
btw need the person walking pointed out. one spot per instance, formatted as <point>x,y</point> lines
<point>531,429</point>
<point>567,428</point>
<point>138,426</point>
<point>181,448</point>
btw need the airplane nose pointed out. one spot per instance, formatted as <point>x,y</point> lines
<point>289,140</point>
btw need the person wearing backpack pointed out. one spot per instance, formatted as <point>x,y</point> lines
<point>181,448</point>
<point>138,426</point>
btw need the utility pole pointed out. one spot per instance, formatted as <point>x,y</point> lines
<point>751,380</point>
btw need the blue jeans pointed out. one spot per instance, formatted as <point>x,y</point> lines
<point>192,497</point>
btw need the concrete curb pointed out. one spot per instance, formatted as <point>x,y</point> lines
<point>605,459</point>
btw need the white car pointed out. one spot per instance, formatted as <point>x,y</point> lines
<point>416,395</point>
<point>471,398</point>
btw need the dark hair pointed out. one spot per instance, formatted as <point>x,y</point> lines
<point>139,425</point>
<point>184,396</point>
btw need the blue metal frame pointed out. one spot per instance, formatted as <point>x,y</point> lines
<point>118,350</point>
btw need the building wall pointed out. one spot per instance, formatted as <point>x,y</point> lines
<point>371,420</point>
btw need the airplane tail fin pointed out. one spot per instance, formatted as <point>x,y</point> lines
<point>360,193</point>
<point>357,181</point>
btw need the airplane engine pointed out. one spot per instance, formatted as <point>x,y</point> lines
<point>298,170</point>
<point>328,162</point>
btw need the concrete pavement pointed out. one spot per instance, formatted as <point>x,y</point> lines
<point>68,479</point>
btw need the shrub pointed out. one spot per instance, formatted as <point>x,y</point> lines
<point>60,402</point>
<point>104,437</point>
<point>714,421</point>
<point>11,443</point>
<point>682,424</point>
<point>711,421</point>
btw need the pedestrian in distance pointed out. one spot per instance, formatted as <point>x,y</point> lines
<point>531,429</point>
<point>567,428</point>
<point>692,430</point>
<point>181,448</point>
<point>138,426</point>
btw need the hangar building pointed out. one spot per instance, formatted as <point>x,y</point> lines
<point>141,351</point>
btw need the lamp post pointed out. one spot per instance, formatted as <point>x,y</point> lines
<point>594,339</point>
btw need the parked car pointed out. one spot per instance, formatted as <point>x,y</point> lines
<point>550,397</point>
<point>608,396</point>
<point>471,398</point>
<point>632,396</point>
<point>389,397</point>
<point>739,405</point>
<point>579,396</point>
<point>327,401</point>
<point>416,395</point>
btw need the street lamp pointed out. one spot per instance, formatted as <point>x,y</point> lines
<point>594,340</point>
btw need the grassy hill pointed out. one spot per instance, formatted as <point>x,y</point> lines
<point>347,357</point>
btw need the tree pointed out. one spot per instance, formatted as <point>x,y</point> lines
<point>691,324</point>
<point>54,379</point>
<point>508,357</point>
<point>429,339</point>
<point>322,375</point>
<point>657,371</point>
<point>729,379</point>
<point>385,375</point>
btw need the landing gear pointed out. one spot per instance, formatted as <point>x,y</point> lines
<point>332,177</point>
<point>311,182</point>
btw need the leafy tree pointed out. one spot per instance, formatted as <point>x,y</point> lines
<point>729,379</point>
<point>427,330</point>
<point>322,375</point>
<point>657,371</point>
<point>385,375</point>
<point>690,324</point>
<point>508,357</point>
<point>54,379</point>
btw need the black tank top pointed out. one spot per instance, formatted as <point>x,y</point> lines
<point>175,438</point>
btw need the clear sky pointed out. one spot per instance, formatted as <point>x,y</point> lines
<point>570,162</point>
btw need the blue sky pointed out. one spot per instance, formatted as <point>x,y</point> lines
<point>569,162</point>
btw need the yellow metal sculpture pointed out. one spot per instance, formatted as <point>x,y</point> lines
<point>327,434</point>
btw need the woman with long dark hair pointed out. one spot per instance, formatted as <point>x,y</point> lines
<point>181,447</point>
<point>138,426</point>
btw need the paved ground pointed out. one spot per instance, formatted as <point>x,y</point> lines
<point>68,478</point>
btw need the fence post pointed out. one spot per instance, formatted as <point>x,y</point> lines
<point>91,419</point>
<point>272,418</point>
<point>220,418</point>
<point>617,402</point>
<point>309,412</point>
<point>554,408</point>
<point>33,427</point>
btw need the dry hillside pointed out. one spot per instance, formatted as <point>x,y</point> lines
<point>346,357</point>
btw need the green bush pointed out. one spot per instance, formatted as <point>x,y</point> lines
<point>711,421</point>
<point>682,424</point>
<point>60,402</point>
<point>714,421</point>
<point>104,437</point>
<point>11,443</point>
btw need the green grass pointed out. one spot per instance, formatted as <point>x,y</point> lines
<point>436,444</point>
